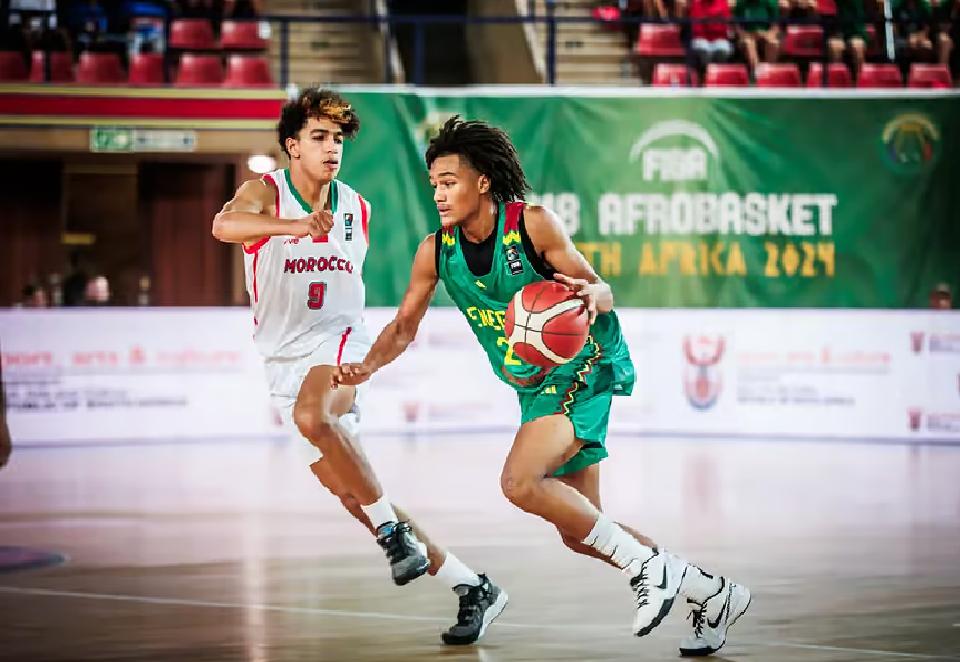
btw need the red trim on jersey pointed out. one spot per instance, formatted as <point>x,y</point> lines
<point>364,218</point>
<point>255,295</point>
<point>511,222</point>
<point>257,246</point>
<point>269,178</point>
<point>343,342</point>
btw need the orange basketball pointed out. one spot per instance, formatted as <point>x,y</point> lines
<point>546,324</point>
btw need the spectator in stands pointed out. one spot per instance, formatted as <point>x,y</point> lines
<point>947,23</point>
<point>34,296</point>
<point>75,285</point>
<point>758,25</point>
<point>911,24</point>
<point>98,292</point>
<point>851,34</point>
<point>941,298</point>
<point>710,41</point>
<point>239,10</point>
<point>6,446</point>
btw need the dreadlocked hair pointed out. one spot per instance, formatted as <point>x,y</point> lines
<point>488,150</point>
<point>316,103</point>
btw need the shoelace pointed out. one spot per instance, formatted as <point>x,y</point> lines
<point>696,617</point>
<point>394,544</point>
<point>642,586</point>
<point>470,605</point>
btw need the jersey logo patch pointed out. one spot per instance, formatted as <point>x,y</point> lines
<point>348,227</point>
<point>480,285</point>
<point>513,261</point>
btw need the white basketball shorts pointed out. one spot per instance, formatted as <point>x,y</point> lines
<point>286,377</point>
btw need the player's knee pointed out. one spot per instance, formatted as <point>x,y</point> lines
<point>321,469</point>
<point>520,490</point>
<point>570,541</point>
<point>314,423</point>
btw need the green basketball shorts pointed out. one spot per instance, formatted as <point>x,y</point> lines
<point>582,390</point>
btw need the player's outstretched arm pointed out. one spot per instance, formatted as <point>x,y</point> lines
<point>553,244</point>
<point>399,333</point>
<point>251,216</point>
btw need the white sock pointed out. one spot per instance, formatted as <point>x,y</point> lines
<point>453,573</point>
<point>380,512</point>
<point>698,585</point>
<point>623,549</point>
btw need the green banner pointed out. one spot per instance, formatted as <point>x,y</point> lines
<point>698,201</point>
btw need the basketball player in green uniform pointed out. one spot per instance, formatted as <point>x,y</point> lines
<point>489,246</point>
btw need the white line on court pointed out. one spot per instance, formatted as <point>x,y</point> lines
<point>432,619</point>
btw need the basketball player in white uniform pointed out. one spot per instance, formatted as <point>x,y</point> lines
<point>304,236</point>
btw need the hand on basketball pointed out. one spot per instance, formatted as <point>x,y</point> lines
<point>351,374</point>
<point>586,291</point>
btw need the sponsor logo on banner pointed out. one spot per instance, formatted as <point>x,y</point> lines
<point>916,341</point>
<point>915,418</point>
<point>702,381</point>
<point>944,343</point>
<point>910,143</point>
<point>949,423</point>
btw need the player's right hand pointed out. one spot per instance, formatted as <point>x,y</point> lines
<point>318,224</point>
<point>350,374</point>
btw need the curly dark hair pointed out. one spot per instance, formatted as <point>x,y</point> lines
<point>316,103</point>
<point>489,151</point>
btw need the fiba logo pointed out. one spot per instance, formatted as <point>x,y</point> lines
<point>675,151</point>
<point>916,342</point>
<point>915,417</point>
<point>702,381</point>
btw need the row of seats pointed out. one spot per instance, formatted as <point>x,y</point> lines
<point>196,34</point>
<point>194,69</point>
<point>788,75</point>
<point>800,41</point>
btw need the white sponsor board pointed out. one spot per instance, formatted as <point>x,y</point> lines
<point>105,375</point>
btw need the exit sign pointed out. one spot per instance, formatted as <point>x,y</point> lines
<point>119,139</point>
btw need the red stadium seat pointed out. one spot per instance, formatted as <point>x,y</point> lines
<point>242,35</point>
<point>837,75</point>
<point>726,75</point>
<point>880,76</point>
<point>660,41</point>
<point>608,17</point>
<point>786,74</point>
<point>804,41</point>
<point>61,67</point>
<point>929,75</point>
<point>248,71</point>
<point>12,67</point>
<point>146,69</point>
<point>199,69</point>
<point>667,74</point>
<point>100,69</point>
<point>192,34</point>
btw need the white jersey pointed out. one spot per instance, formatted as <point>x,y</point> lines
<point>305,291</point>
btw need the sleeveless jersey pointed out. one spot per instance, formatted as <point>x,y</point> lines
<point>483,300</point>
<point>305,291</point>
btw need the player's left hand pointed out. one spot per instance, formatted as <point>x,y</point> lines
<point>586,291</point>
<point>350,374</point>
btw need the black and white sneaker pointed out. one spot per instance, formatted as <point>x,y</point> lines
<point>655,588</point>
<point>407,558</point>
<point>479,606</point>
<point>713,618</point>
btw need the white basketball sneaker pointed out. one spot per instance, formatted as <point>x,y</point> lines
<point>656,587</point>
<point>713,618</point>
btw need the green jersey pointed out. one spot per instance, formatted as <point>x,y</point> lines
<point>484,299</point>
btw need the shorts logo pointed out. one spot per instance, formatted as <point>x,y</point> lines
<point>702,380</point>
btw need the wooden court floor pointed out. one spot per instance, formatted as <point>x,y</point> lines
<point>231,552</point>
